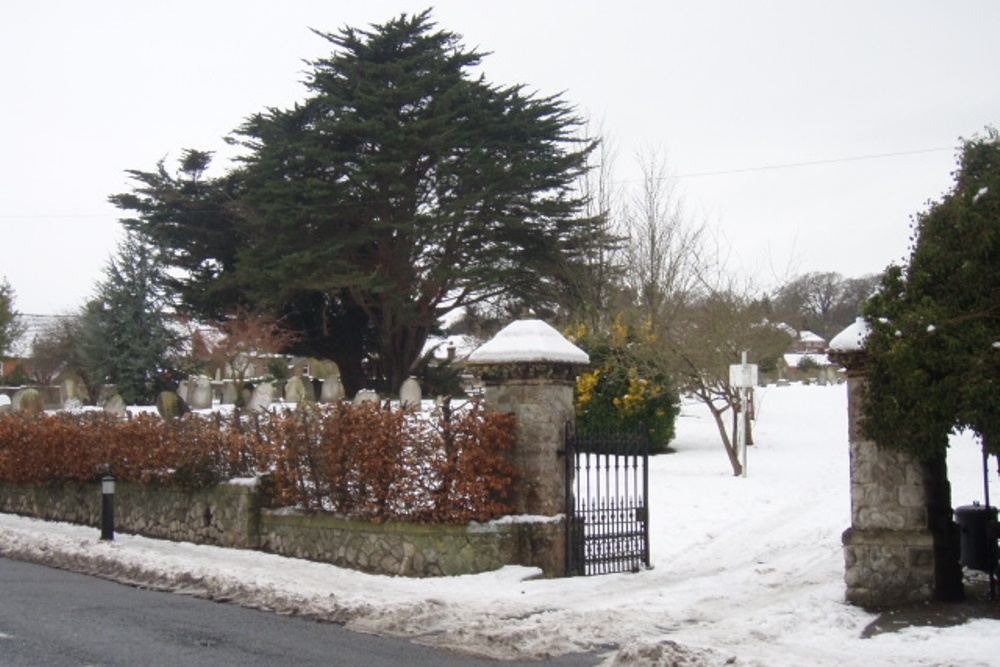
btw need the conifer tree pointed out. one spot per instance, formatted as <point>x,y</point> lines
<point>934,347</point>
<point>123,336</point>
<point>402,187</point>
<point>11,324</point>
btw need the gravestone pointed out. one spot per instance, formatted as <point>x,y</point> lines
<point>170,405</point>
<point>295,390</point>
<point>333,390</point>
<point>200,394</point>
<point>366,396</point>
<point>409,393</point>
<point>115,406</point>
<point>230,392</point>
<point>262,397</point>
<point>72,394</point>
<point>184,390</point>
<point>28,400</point>
<point>105,393</point>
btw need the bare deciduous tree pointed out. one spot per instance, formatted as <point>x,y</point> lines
<point>53,351</point>
<point>666,250</point>
<point>822,302</point>
<point>245,335</point>
<point>598,280</point>
<point>712,335</point>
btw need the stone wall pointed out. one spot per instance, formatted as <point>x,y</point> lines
<point>229,515</point>
<point>226,515</point>
<point>416,550</point>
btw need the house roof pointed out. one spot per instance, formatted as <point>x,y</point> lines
<point>810,337</point>
<point>793,359</point>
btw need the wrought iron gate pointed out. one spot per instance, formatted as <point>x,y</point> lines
<point>607,483</point>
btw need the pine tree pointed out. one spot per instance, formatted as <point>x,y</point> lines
<point>124,337</point>
<point>11,325</point>
<point>402,187</point>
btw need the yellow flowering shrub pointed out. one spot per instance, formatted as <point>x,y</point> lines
<point>624,390</point>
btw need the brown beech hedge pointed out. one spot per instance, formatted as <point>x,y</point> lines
<point>367,461</point>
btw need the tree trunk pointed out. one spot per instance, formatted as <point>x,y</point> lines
<point>727,443</point>
<point>402,347</point>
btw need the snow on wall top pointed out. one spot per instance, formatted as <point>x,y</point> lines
<point>528,340</point>
<point>851,339</point>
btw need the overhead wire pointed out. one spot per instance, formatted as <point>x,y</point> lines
<point>701,174</point>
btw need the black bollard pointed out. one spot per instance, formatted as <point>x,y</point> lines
<point>108,508</point>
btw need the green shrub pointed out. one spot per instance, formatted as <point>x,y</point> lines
<point>625,389</point>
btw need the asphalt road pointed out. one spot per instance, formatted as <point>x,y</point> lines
<point>54,617</point>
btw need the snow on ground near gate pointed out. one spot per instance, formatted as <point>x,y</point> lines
<point>748,571</point>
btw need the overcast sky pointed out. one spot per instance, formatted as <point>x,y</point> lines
<point>805,134</point>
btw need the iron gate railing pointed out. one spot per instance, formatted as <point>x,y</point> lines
<point>607,484</point>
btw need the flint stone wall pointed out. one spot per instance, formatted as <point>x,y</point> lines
<point>226,515</point>
<point>413,550</point>
<point>230,515</point>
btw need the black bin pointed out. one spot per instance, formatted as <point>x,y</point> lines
<point>977,524</point>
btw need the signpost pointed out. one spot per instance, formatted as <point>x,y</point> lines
<point>743,376</point>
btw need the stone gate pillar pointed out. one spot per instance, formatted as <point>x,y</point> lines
<point>901,546</point>
<point>530,370</point>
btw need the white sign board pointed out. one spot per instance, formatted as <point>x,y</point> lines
<point>743,376</point>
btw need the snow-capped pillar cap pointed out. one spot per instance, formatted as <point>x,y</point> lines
<point>528,349</point>
<point>848,347</point>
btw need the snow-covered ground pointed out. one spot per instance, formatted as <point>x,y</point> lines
<point>746,571</point>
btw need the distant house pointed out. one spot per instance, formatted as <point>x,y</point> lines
<point>807,360</point>
<point>21,353</point>
<point>809,343</point>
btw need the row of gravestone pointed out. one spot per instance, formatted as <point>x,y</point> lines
<point>69,395</point>
<point>200,393</point>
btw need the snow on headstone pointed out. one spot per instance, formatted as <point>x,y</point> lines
<point>528,341</point>
<point>366,396</point>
